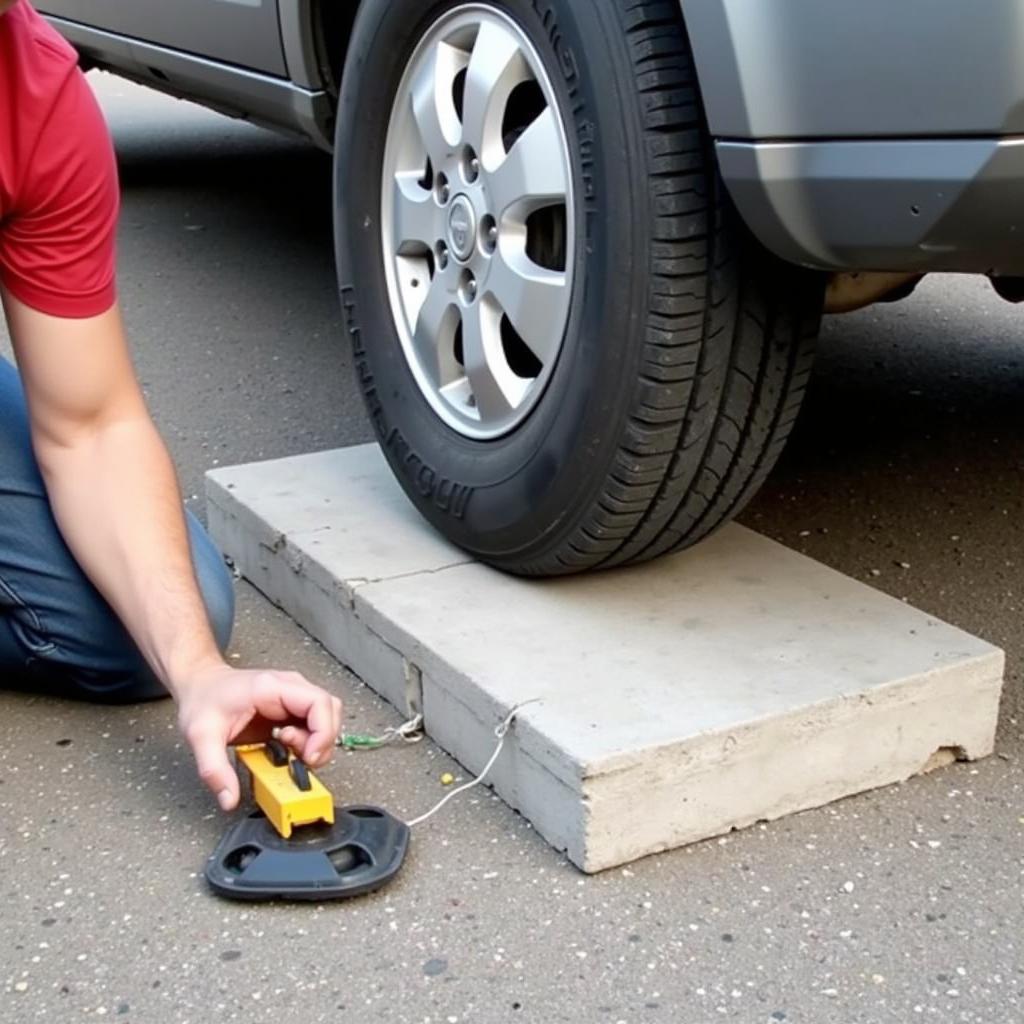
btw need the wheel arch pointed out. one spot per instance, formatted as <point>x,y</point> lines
<point>314,36</point>
<point>718,71</point>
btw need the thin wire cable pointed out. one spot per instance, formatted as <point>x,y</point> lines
<point>501,731</point>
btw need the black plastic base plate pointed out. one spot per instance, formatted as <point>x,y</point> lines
<point>362,851</point>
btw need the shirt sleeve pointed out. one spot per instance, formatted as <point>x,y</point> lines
<point>57,246</point>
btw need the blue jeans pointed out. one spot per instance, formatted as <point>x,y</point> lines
<point>57,634</point>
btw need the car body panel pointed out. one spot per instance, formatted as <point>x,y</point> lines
<point>272,100</point>
<point>240,32</point>
<point>870,135</point>
<point>826,69</point>
<point>851,136</point>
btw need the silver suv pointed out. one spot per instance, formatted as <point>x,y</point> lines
<point>584,245</point>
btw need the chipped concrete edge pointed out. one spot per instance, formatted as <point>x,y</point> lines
<point>735,779</point>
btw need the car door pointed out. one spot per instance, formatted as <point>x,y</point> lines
<point>245,33</point>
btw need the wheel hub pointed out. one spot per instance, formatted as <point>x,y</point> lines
<point>461,228</point>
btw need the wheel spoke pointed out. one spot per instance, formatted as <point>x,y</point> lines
<point>433,105</point>
<point>417,220</point>
<point>496,389</point>
<point>496,67</point>
<point>535,300</point>
<point>533,174</point>
<point>434,336</point>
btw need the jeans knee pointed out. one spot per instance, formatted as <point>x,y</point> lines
<point>215,583</point>
<point>19,473</point>
<point>219,597</point>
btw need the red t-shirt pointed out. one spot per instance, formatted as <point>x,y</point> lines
<point>58,179</point>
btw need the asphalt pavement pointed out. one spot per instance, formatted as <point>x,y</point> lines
<point>899,905</point>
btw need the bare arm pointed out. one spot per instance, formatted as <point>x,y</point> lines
<point>111,483</point>
<point>115,497</point>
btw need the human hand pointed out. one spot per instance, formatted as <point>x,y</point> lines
<point>221,705</point>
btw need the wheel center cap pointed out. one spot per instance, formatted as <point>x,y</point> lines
<point>461,228</point>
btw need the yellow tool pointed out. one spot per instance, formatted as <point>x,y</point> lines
<point>288,793</point>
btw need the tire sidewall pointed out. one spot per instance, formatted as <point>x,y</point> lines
<point>506,497</point>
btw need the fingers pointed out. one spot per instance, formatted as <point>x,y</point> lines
<point>294,737</point>
<point>285,695</point>
<point>302,740</point>
<point>208,744</point>
<point>336,717</point>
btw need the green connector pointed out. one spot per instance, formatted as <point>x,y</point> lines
<point>359,741</point>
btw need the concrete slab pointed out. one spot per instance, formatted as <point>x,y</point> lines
<point>729,684</point>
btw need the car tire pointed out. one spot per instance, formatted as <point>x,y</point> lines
<point>683,347</point>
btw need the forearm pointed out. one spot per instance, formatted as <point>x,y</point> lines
<point>116,500</point>
<point>111,483</point>
<point>115,497</point>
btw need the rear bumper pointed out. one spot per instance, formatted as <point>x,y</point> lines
<point>912,204</point>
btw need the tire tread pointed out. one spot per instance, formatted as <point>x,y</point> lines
<point>729,334</point>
